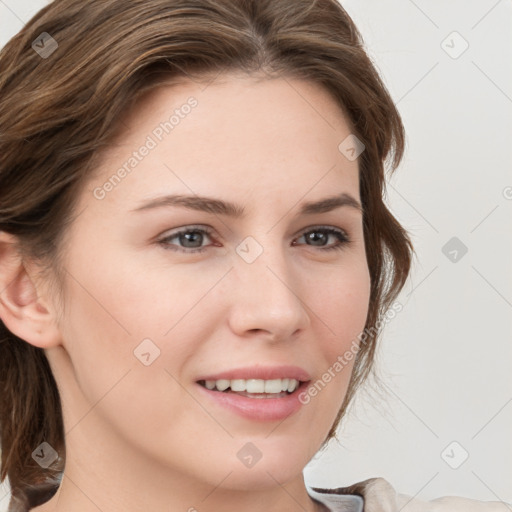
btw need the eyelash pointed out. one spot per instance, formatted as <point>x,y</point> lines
<point>343,239</point>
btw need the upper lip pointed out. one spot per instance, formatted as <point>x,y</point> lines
<point>261,372</point>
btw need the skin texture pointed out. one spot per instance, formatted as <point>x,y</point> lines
<point>144,437</point>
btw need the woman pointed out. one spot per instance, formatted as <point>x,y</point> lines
<point>177,332</point>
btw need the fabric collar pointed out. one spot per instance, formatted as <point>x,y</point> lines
<point>337,502</point>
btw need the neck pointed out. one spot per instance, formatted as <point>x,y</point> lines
<point>108,474</point>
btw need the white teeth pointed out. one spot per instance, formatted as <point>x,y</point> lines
<point>237,385</point>
<point>273,386</point>
<point>254,385</point>
<point>292,385</point>
<point>222,384</point>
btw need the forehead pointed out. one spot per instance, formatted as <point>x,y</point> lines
<point>235,133</point>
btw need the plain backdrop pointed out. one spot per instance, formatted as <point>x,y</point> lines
<point>443,427</point>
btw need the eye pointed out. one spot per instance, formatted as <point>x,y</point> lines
<point>191,239</point>
<point>319,237</point>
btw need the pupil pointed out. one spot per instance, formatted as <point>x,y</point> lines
<point>185,238</point>
<point>316,236</point>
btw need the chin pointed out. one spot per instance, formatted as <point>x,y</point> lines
<point>263,463</point>
<point>262,478</point>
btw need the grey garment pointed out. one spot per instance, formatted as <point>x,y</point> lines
<point>378,495</point>
<point>337,502</point>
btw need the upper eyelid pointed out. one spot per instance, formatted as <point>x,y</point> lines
<point>210,231</point>
<point>200,227</point>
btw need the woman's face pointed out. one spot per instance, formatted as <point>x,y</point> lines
<point>260,284</point>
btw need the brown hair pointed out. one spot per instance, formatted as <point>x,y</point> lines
<point>57,113</point>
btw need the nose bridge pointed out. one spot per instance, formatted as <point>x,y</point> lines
<point>268,296</point>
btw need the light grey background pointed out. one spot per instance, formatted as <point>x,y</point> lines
<point>447,355</point>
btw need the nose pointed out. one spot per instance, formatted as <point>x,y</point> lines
<point>266,298</point>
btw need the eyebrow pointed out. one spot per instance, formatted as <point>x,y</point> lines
<point>220,207</point>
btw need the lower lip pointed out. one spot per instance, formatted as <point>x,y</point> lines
<point>258,409</point>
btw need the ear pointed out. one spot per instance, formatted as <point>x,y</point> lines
<point>23,312</point>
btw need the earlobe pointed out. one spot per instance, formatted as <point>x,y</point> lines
<point>21,309</point>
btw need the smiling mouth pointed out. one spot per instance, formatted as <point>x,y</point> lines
<point>254,388</point>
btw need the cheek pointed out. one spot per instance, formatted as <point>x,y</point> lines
<point>155,300</point>
<point>97,339</point>
<point>102,331</point>
<point>342,303</point>
<point>124,314</point>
